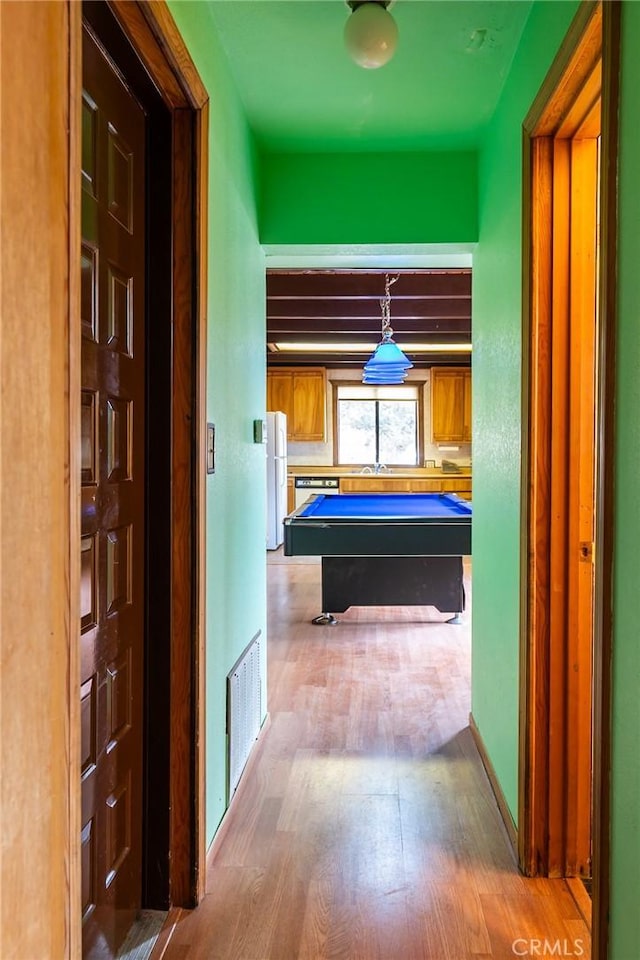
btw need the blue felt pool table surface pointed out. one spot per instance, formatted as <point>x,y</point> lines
<point>390,506</point>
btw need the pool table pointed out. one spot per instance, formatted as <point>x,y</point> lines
<point>384,549</point>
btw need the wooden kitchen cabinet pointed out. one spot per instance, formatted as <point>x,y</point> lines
<point>280,392</point>
<point>391,484</point>
<point>459,485</point>
<point>309,404</point>
<point>467,405</point>
<point>300,392</point>
<point>374,485</point>
<point>426,486</point>
<point>451,404</point>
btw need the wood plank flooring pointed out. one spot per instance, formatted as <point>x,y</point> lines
<point>365,827</point>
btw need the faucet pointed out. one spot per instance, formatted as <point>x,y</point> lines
<point>366,470</point>
<point>379,467</point>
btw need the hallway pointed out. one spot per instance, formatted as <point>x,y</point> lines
<point>365,827</point>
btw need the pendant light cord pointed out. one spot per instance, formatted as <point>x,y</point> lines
<point>385,303</point>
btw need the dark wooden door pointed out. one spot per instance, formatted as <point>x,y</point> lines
<point>113,491</point>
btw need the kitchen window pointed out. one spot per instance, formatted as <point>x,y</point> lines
<point>377,424</point>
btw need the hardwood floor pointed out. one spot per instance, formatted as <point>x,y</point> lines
<point>365,827</point>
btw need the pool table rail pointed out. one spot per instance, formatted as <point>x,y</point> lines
<point>379,525</point>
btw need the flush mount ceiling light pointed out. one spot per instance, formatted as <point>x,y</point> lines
<point>370,33</point>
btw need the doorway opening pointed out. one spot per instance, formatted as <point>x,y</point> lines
<point>569,249</point>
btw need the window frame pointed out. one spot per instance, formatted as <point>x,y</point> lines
<point>420,386</point>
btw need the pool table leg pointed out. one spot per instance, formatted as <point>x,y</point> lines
<point>324,620</point>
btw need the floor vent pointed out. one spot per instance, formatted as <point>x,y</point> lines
<point>244,710</point>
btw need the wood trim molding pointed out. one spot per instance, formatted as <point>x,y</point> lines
<point>570,71</point>
<point>603,601</point>
<point>163,26</point>
<point>526,754</point>
<point>503,806</point>
<point>74,427</point>
<point>153,31</point>
<point>132,19</point>
<point>201,295</point>
<point>536,490</point>
<point>183,722</point>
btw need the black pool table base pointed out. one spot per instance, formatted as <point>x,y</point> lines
<point>391,581</point>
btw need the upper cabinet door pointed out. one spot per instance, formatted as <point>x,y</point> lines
<point>280,393</point>
<point>300,392</point>
<point>467,406</point>
<point>309,405</point>
<point>451,405</point>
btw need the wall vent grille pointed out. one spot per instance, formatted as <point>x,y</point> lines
<point>244,710</point>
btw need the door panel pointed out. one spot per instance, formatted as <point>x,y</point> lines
<point>113,462</point>
<point>582,497</point>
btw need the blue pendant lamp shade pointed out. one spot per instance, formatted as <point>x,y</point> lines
<point>387,364</point>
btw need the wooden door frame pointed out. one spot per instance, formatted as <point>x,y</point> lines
<point>154,36</point>
<point>594,34</point>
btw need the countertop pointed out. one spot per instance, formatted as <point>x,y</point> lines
<point>435,473</point>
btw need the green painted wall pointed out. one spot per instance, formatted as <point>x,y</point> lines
<point>625,793</point>
<point>236,572</point>
<point>369,198</point>
<point>497,284</point>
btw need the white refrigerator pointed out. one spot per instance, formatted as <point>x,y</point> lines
<point>276,478</point>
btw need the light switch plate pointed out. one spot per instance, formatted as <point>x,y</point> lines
<point>211,448</point>
<point>259,431</point>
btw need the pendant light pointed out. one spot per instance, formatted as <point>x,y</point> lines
<point>387,364</point>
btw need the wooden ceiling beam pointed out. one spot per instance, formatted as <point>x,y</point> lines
<point>365,330</point>
<point>344,361</point>
<point>348,310</point>
<point>455,332</point>
<point>321,284</point>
